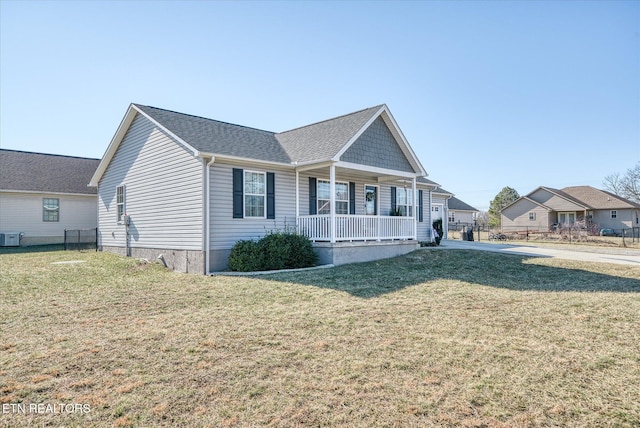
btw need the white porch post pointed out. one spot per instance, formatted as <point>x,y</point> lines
<point>297,199</point>
<point>332,201</point>
<point>415,210</point>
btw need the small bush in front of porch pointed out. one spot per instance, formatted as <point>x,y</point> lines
<point>277,250</point>
<point>245,256</point>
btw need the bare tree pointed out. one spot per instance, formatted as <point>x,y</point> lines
<point>626,185</point>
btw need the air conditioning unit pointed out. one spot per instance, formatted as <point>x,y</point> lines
<point>10,239</point>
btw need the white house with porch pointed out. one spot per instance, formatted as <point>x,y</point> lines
<point>188,188</point>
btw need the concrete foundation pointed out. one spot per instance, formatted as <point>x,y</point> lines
<point>187,261</point>
<point>342,253</point>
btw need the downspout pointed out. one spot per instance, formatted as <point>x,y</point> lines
<point>433,239</point>
<point>414,191</point>
<point>207,214</point>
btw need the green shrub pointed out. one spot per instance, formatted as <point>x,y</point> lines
<point>245,257</point>
<point>277,250</point>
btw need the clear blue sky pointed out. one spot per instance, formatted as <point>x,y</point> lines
<point>489,94</point>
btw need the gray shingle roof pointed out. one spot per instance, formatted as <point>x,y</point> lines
<point>318,141</point>
<point>40,172</point>
<point>221,138</point>
<point>458,205</point>
<point>598,199</point>
<point>323,140</point>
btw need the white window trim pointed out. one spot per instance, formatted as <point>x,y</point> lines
<point>532,216</point>
<point>614,214</point>
<point>120,219</point>
<point>328,200</point>
<point>45,209</point>
<point>245,194</point>
<point>409,203</point>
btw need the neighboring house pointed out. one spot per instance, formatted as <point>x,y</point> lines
<point>461,213</point>
<point>545,207</point>
<point>188,188</point>
<point>41,195</point>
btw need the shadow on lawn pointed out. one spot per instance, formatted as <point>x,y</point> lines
<point>373,279</point>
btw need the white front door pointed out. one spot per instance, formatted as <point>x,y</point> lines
<point>436,211</point>
<point>371,200</point>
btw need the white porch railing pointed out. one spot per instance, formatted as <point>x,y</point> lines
<point>356,227</point>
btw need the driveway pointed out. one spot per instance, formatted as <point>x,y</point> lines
<point>590,254</point>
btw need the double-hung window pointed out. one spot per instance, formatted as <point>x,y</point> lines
<point>51,209</point>
<point>614,214</point>
<point>120,203</point>
<point>404,201</point>
<point>255,192</point>
<point>324,197</point>
<point>532,216</point>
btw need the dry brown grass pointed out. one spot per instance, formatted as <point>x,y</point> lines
<point>435,338</point>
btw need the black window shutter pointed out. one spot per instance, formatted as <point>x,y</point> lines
<point>420,206</point>
<point>352,197</point>
<point>313,196</point>
<point>271,195</point>
<point>393,199</point>
<point>238,193</point>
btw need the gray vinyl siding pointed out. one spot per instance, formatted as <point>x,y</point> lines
<point>164,183</point>
<point>624,219</point>
<point>516,217</point>
<point>225,230</point>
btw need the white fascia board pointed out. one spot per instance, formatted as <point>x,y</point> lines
<point>244,160</point>
<point>159,125</point>
<point>40,193</point>
<point>358,134</point>
<point>119,136</point>
<point>307,166</point>
<point>395,131</point>
<point>113,145</point>
<point>405,146</point>
<point>376,170</point>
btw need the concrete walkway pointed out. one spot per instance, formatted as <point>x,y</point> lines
<point>590,254</point>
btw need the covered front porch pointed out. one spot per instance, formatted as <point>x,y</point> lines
<point>340,228</point>
<point>356,203</point>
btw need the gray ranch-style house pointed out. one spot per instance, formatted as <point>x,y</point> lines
<point>461,213</point>
<point>188,188</point>
<point>545,207</point>
<point>43,194</point>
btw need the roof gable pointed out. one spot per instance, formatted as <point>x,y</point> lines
<point>376,146</point>
<point>46,173</point>
<point>319,142</point>
<point>322,141</point>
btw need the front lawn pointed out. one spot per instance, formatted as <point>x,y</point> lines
<point>435,338</point>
